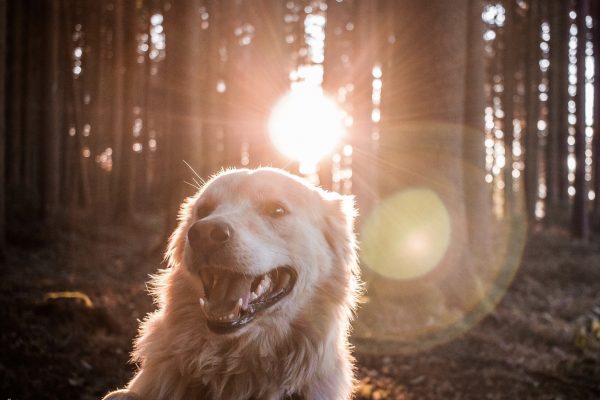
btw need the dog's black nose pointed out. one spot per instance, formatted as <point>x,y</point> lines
<point>207,236</point>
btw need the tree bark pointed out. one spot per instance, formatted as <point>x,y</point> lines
<point>557,107</point>
<point>124,64</point>
<point>15,86</point>
<point>563,96</point>
<point>477,191</point>
<point>368,41</point>
<point>580,217</point>
<point>185,125</point>
<point>53,115</point>
<point>3,34</point>
<point>32,149</point>
<point>422,146</point>
<point>532,80</point>
<point>508,102</point>
<point>596,140</point>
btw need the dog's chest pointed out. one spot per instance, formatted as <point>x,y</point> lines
<point>258,383</point>
<point>235,375</point>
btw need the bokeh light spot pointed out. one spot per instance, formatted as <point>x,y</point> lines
<point>407,235</point>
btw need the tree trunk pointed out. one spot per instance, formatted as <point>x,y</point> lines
<point>557,107</point>
<point>532,80</point>
<point>563,96</point>
<point>32,148</point>
<point>580,218</point>
<point>367,53</point>
<point>213,127</point>
<point>477,191</point>
<point>53,114</point>
<point>596,142</point>
<point>118,85</point>
<point>422,149</point>
<point>3,34</point>
<point>185,125</point>
<point>508,102</point>
<point>15,86</point>
<point>124,65</point>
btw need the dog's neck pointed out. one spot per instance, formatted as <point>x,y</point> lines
<point>291,357</point>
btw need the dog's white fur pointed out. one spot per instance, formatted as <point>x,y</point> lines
<point>297,347</point>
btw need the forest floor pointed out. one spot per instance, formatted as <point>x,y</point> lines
<point>538,344</point>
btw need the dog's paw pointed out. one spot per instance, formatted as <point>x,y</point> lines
<point>121,395</point>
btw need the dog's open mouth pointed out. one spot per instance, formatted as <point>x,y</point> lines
<point>233,299</point>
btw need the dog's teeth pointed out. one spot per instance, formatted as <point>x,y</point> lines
<point>203,307</point>
<point>265,282</point>
<point>253,296</point>
<point>236,310</point>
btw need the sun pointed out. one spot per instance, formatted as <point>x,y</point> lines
<point>306,125</point>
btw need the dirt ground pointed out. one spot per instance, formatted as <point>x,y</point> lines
<point>542,341</point>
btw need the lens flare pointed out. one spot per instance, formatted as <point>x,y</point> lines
<point>435,261</point>
<point>306,125</point>
<point>407,235</point>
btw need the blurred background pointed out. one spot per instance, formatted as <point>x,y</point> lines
<point>465,129</point>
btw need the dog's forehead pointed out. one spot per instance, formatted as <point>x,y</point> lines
<point>258,184</point>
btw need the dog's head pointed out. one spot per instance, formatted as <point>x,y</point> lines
<point>265,244</point>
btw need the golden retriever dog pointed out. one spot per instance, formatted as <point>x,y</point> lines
<point>257,299</point>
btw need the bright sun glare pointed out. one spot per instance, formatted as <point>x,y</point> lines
<point>305,125</point>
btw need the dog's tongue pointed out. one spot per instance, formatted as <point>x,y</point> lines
<point>227,290</point>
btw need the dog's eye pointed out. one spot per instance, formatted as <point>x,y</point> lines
<point>275,210</point>
<point>204,211</point>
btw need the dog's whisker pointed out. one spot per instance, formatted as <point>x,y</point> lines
<point>195,173</point>
<point>192,185</point>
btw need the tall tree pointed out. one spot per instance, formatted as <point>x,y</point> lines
<point>53,114</point>
<point>32,149</point>
<point>477,192</point>
<point>580,221</point>
<point>596,142</point>
<point>423,142</point>
<point>557,108</point>
<point>2,127</point>
<point>369,41</point>
<point>562,123</point>
<point>509,65</point>
<point>125,65</point>
<point>184,56</point>
<point>532,80</point>
<point>15,86</point>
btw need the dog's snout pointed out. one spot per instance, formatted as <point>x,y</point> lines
<point>220,233</point>
<point>207,236</point>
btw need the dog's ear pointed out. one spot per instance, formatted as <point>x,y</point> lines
<point>177,240</point>
<point>340,212</point>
